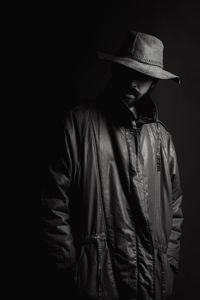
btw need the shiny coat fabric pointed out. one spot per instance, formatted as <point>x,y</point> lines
<point>112,202</point>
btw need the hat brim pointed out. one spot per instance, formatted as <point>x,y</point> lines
<point>147,69</point>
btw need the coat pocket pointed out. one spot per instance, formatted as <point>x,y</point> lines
<point>88,274</point>
<point>167,276</point>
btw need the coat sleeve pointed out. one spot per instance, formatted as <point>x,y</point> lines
<point>177,214</point>
<point>56,218</point>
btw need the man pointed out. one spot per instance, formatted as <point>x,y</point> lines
<point>112,204</point>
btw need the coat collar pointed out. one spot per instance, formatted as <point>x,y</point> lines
<point>146,109</point>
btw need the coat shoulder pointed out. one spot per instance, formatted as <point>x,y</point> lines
<point>82,111</point>
<point>78,117</point>
<point>165,132</point>
<point>163,127</point>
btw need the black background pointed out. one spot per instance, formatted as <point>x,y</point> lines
<point>58,47</point>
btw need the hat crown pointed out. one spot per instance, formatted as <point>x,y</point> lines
<point>143,47</point>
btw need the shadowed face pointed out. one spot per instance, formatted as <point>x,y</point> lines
<point>131,85</point>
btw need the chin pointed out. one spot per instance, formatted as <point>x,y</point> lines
<point>130,96</point>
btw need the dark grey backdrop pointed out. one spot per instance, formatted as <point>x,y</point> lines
<point>66,41</point>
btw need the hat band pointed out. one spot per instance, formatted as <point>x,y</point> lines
<point>146,60</point>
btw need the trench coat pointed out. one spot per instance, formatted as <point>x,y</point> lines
<point>112,203</point>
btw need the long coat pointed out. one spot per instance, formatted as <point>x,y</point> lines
<point>112,202</point>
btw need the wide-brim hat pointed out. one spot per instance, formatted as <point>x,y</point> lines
<point>143,53</point>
